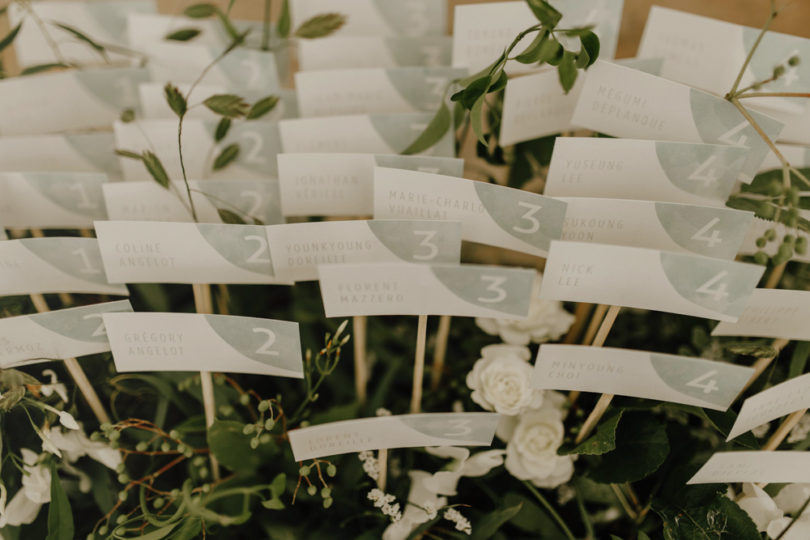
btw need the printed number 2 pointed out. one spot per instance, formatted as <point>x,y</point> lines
<point>258,255</point>
<point>433,249</point>
<point>495,283</point>
<point>707,387</point>
<point>529,216</point>
<point>88,265</point>
<point>462,428</point>
<point>271,338</point>
<point>710,240</point>
<point>719,292</point>
<point>100,331</point>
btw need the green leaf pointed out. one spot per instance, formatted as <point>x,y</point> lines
<point>798,360</point>
<point>128,154</point>
<point>532,53</point>
<point>176,100</point>
<point>155,168</point>
<point>499,84</point>
<point>230,217</point>
<point>590,44</point>
<point>532,518</point>
<point>755,349</point>
<point>228,154</point>
<point>231,447</point>
<point>158,534</point>
<point>83,37</point>
<point>477,119</point>
<point>433,133</point>
<point>545,13</point>
<point>127,116</point>
<point>467,96</point>
<point>184,34</point>
<point>601,442</point>
<point>283,25</point>
<point>201,11</point>
<point>223,127</point>
<point>320,25</point>
<point>492,521</point>
<point>228,105</point>
<point>279,484</point>
<point>721,519</point>
<point>641,447</point>
<point>9,38</point>
<point>39,68</point>
<point>189,530</point>
<point>11,397</point>
<point>60,516</point>
<point>262,107</point>
<point>567,71</point>
<point>643,536</point>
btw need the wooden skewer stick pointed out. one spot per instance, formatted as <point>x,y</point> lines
<point>581,313</point>
<point>382,467</point>
<point>204,304</point>
<point>605,399</point>
<point>783,430</point>
<point>76,372</point>
<point>596,319</point>
<point>359,325</point>
<point>419,364</point>
<point>440,351</point>
<point>762,364</point>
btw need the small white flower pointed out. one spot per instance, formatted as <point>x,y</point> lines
<point>444,482</point>
<point>800,430</point>
<point>371,464</point>
<point>791,498</point>
<point>67,420</point>
<point>36,491</point>
<point>53,386</point>
<point>420,499</point>
<point>430,510</point>
<point>759,506</point>
<point>462,523</point>
<point>384,501</point>
<point>75,444</point>
<point>501,380</point>
<point>382,411</point>
<point>547,321</point>
<point>798,531</point>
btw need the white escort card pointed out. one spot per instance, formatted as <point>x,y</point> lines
<point>196,342</point>
<point>3,235</point>
<point>372,134</point>
<point>481,31</point>
<point>797,155</point>
<point>145,29</point>
<point>80,152</point>
<point>258,145</point>
<point>51,200</point>
<point>708,53</point>
<point>777,401</point>
<point>250,200</point>
<point>773,467</point>
<point>647,170</point>
<point>56,335</point>
<point>649,279</point>
<point>625,102</point>
<point>400,431</point>
<point>347,52</point>
<point>378,17</point>
<point>336,92</point>
<point>103,22</point>
<point>797,128</point>
<point>649,375</point>
<point>298,248</point>
<point>705,230</point>
<point>775,313</point>
<point>490,214</point>
<point>155,107</point>
<point>53,265</point>
<point>343,184</point>
<point>410,289</point>
<point>67,100</point>
<point>159,252</point>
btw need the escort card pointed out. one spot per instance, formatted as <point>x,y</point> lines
<point>774,467</point>
<point>154,106</point>
<point>258,145</point>
<point>148,201</point>
<point>649,279</point>
<point>705,230</point>
<point>410,289</point>
<point>146,29</point>
<point>758,228</point>
<point>158,252</point>
<point>708,53</point>
<point>373,134</point>
<point>378,17</point>
<point>490,214</point>
<point>67,100</point>
<point>53,265</point>
<point>777,401</point>
<point>56,335</point>
<point>797,129</point>
<point>482,31</point>
<point>104,22</point>
<point>81,152</point>
<point>3,235</point>
<point>349,52</point>
<point>51,200</point>
<point>336,92</point>
<point>647,170</point>
<point>648,375</point>
<point>775,313</point>
<point>343,184</point>
<point>195,342</point>
<point>401,431</point>
<point>299,248</point>
<point>798,156</point>
<point>624,102</point>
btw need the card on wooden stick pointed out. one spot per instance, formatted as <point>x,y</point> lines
<point>378,17</point>
<point>755,466</point>
<point>775,313</point>
<point>64,153</point>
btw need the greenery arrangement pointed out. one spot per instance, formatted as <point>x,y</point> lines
<point>157,471</point>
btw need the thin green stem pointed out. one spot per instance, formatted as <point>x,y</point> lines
<point>542,500</point>
<point>760,132</point>
<point>733,92</point>
<point>773,94</point>
<point>589,532</point>
<point>268,5</point>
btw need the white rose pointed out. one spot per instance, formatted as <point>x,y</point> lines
<point>798,531</point>
<point>500,380</point>
<point>791,498</point>
<point>547,321</point>
<point>759,506</point>
<point>533,439</point>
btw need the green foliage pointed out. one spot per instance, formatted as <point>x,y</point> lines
<point>228,216</point>
<point>231,447</point>
<point>155,168</point>
<point>435,130</point>
<point>757,349</point>
<point>320,26</point>
<point>601,442</point>
<point>720,518</point>
<point>201,11</point>
<point>60,516</point>
<point>492,521</point>
<point>262,107</point>
<point>183,34</point>
<point>545,12</point>
<point>798,360</point>
<point>84,38</point>
<point>228,105</point>
<point>641,447</point>
<point>176,100</point>
<point>226,156</point>
<point>223,126</point>
<point>8,39</point>
<point>283,26</point>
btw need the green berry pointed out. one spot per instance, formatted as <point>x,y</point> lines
<point>165,446</point>
<point>244,399</point>
<point>331,470</point>
<point>778,71</point>
<point>326,493</point>
<point>203,473</point>
<point>103,530</point>
<point>159,502</point>
<point>327,502</point>
<point>141,446</point>
<point>206,488</point>
<point>775,188</point>
<point>770,235</point>
<point>106,426</point>
<point>123,478</point>
<point>789,239</point>
<point>95,436</point>
<point>175,493</point>
<point>269,423</point>
<point>760,257</point>
<point>254,443</point>
<point>122,495</point>
<point>248,429</point>
<point>120,468</point>
<point>794,61</point>
<point>263,406</point>
<point>174,434</point>
<point>312,490</point>
<point>265,438</point>
<point>304,470</point>
<point>761,242</point>
<point>114,435</point>
<point>801,245</point>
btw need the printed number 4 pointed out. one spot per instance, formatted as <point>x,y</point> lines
<point>705,172</point>
<point>707,387</point>
<point>719,292</point>
<point>529,216</point>
<point>710,240</point>
<point>495,283</point>
<point>727,137</point>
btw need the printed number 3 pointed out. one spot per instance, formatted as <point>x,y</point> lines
<point>495,283</point>
<point>433,250</point>
<point>528,216</point>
